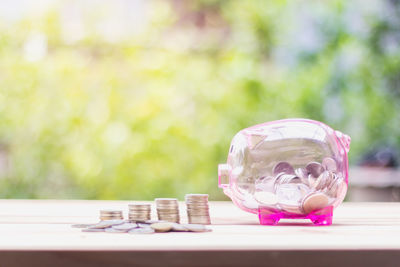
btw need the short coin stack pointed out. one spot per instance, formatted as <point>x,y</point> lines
<point>197,208</point>
<point>139,212</point>
<point>167,209</point>
<point>111,215</point>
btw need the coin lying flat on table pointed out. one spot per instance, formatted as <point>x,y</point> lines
<point>141,231</point>
<point>162,227</point>
<point>112,230</point>
<point>143,225</point>
<point>105,224</point>
<point>125,226</point>
<point>176,227</point>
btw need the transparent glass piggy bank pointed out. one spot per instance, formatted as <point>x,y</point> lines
<point>293,168</point>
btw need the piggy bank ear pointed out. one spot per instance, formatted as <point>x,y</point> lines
<point>344,139</point>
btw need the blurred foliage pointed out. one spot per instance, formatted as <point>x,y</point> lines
<point>152,114</point>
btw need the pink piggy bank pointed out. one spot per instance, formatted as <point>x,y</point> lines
<point>293,168</point>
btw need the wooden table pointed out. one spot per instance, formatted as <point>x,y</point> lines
<point>39,233</point>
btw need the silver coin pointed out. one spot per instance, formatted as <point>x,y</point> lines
<point>196,196</point>
<point>162,227</point>
<point>291,208</point>
<point>199,221</point>
<point>111,211</point>
<point>153,221</point>
<point>315,169</point>
<point>125,226</point>
<point>197,208</point>
<point>112,230</point>
<point>323,180</point>
<point>105,224</point>
<point>314,201</point>
<point>286,179</point>
<point>176,227</point>
<point>335,186</point>
<point>329,164</point>
<point>89,230</point>
<point>331,182</point>
<point>141,231</point>
<point>166,201</point>
<point>138,219</point>
<point>303,175</point>
<point>110,218</point>
<point>284,167</point>
<point>311,180</point>
<point>143,225</point>
<point>139,206</point>
<point>196,227</point>
<point>291,194</point>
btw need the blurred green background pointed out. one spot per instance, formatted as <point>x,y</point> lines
<point>140,99</point>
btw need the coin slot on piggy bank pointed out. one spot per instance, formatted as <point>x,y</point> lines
<point>294,168</point>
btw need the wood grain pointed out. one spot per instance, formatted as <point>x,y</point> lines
<point>41,231</point>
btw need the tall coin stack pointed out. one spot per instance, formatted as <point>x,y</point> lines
<point>139,212</point>
<point>197,208</point>
<point>167,209</point>
<point>111,215</point>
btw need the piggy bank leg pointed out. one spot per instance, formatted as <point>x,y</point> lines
<point>322,216</point>
<point>268,216</point>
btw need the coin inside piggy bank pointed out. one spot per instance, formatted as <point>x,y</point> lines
<point>293,168</point>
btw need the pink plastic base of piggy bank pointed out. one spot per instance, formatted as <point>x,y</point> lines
<point>272,217</point>
<point>287,169</point>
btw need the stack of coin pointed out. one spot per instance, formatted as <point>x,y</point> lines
<point>111,215</point>
<point>197,208</point>
<point>139,212</point>
<point>167,209</point>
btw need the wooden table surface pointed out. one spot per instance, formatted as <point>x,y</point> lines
<point>39,233</point>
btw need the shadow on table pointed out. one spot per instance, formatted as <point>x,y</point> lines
<point>288,223</point>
